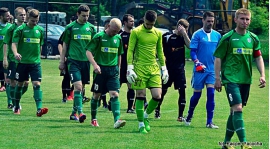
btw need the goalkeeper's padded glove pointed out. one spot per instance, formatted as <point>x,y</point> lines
<point>200,67</point>
<point>165,74</point>
<point>131,75</point>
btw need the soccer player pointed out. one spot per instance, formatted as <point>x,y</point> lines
<point>143,71</point>
<point>27,44</point>
<point>104,52</point>
<point>76,36</point>
<point>9,59</point>
<point>174,51</point>
<point>233,68</point>
<point>128,21</point>
<point>203,45</point>
<point>4,26</point>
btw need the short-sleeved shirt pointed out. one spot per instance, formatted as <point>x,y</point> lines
<point>236,54</point>
<point>125,39</point>
<point>8,41</point>
<point>174,51</point>
<point>106,49</point>
<point>205,45</point>
<point>144,46</point>
<point>77,36</point>
<point>29,42</point>
<point>3,29</point>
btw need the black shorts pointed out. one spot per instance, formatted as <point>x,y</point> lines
<point>79,71</point>
<point>24,70</point>
<point>176,76</point>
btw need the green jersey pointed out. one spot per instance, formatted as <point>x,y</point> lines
<point>77,36</point>
<point>236,54</point>
<point>8,41</point>
<point>144,46</point>
<point>3,30</point>
<point>106,49</point>
<point>29,42</point>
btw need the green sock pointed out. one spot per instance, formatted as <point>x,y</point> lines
<point>139,106</point>
<point>115,104</point>
<point>229,129</point>
<point>239,127</point>
<point>12,94</point>
<point>151,106</point>
<point>94,107</point>
<point>18,95</point>
<point>78,101</point>
<point>24,89</point>
<point>9,100</point>
<point>38,96</point>
<point>74,109</point>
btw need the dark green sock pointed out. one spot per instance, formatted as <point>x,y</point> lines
<point>115,104</point>
<point>229,129</point>
<point>238,124</point>
<point>18,96</point>
<point>9,100</point>
<point>139,106</point>
<point>24,89</point>
<point>74,109</point>
<point>94,107</point>
<point>151,106</point>
<point>12,94</point>
<point>38,96</point>
<point>78,101</point>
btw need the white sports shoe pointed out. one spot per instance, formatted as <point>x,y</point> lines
<point>211,125</point>
<point>13,109</point>
<point>119,123</point>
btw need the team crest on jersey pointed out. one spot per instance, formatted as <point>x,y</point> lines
<point>87,29</point>
<point>249,40</point>
<point>37,31</point>
<point>114,40</point>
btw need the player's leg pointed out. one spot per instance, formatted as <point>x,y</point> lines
<point>65,87</point>
<point>180,85</point>
<point>2,78</point>
<point>9,99</point>
<point>11,73</point>
<point>130,99</point>
<point>35,74</point>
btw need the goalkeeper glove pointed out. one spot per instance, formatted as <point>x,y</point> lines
<point>165,75</point>
<point>131,75</point>
<point>200,67</point>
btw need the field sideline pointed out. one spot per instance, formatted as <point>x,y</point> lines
<point>55,130</point>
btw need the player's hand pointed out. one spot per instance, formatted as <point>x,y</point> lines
<point>18,57</point>
<point>97,69</point>
<point>61,66</point>
<point>5,63</point>
<point>165,74</point>
<point>131,75</point>
<point>200,67</point>
<point>218,85</point>
<point>262,82</point>
<point>181,30</point>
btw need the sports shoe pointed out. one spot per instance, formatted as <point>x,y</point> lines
<point>94,123</point>
<point>157,114</point>
<point>181,119</point>
<point>17,111</point>
<point>82,118</point>
<point>211,125</point>
<point>2,89</point>
<point>74,117</point>
<point>13,109</point>
<point>42,111</point>
<point>64,100</point>
<point>245,146</point>
<point>10,106</point>
<point>119,123</point>
<point>227,147</point>
<point>85,99</point>
<point>142,130</point>
<point>131,111</point>
<point>187,122</point>
<point>69,98</point>
<point>146,123</point>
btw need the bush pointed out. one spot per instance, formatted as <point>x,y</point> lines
<point>259,19</point>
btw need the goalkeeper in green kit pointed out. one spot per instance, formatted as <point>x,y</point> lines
<point>143,71</point>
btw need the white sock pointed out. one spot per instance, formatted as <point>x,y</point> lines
<point>141,124</point>
<point>145,115</point>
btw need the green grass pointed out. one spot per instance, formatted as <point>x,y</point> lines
<point>55,130</point>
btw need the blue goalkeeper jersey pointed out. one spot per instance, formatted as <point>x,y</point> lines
<point>205,45</point>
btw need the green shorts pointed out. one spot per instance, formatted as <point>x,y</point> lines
<point>147,77</point>
<point>79,71</point>
<point>237,93</point>
<point>11,71</point>
<point>108,80</point>
<point>24,70</point>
